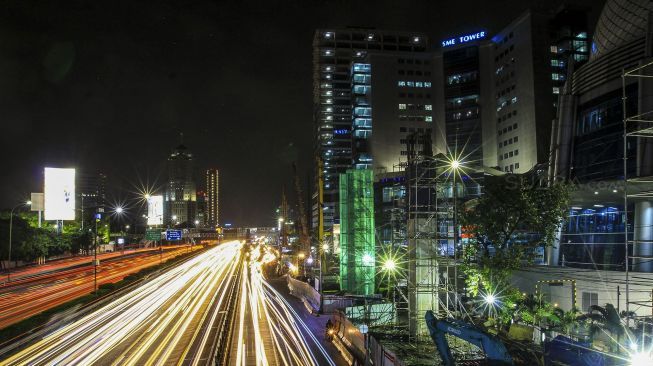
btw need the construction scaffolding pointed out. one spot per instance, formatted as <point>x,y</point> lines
<point>432,234</point>
<point>357,239</point>
<point>638,191</point>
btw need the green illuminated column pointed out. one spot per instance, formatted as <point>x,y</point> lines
<point>357,250</point>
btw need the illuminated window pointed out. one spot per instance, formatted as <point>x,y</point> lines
<point>402,106</point>
<point>428,119</point>
<point>556,90</point>
<point>428,107</point>
<point>401,83</point>
<point>427,84</point>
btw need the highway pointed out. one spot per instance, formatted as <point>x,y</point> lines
<point>38,292</point>
<point>216,306</point>
<point>168,320</point>
<point>281,337</point>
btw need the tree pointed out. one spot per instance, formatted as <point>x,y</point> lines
<point>507,224</point>
<point>81,242</point>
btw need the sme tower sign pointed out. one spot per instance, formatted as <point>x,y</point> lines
<point>59,194</point>
<point>466,38</point>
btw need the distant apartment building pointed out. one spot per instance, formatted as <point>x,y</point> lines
<point>212,211</point>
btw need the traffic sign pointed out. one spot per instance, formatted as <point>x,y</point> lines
<point>153,234</point>
<point>173,235</point>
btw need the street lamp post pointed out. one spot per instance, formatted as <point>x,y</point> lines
<point>11,223</point>
<point>455,164</point>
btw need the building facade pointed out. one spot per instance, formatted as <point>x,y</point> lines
<point>588,146</point>
<point>180,199</point>
<point>334,52</point>
<point>212,212</point>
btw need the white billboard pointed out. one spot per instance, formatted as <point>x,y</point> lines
<point>59,194</point>
<point>155,210</point>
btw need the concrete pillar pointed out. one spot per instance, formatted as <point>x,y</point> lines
<point>643,235</point>
<point>553,252</point>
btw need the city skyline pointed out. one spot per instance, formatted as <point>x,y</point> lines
<point>93,92</point>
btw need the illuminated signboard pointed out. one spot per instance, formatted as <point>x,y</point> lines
<point>173,235</point>
<point>59,194</point>
<point>463,39</point>
<point>155,210</point>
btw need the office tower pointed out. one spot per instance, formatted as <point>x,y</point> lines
<point>531,56</point>
<point>180,195</point>
<point>393,98</point>
<point>334,51</point>
<point>91,188</point>
<point>212,201</point>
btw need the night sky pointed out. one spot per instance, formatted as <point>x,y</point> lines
<point>109,85</point>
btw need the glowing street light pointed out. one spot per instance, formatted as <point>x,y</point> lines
<point>455,164</point>
<point>119,210</point>
<point>367,259</point>
<point>641,359</point>
<point>490,299</point>
<point>389,265</point>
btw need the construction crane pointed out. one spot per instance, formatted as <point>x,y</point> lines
<point>304,239</point>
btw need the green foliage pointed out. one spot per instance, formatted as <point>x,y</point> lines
<point>508,215</point>
<point>507,223</point>
<point>81,242</point>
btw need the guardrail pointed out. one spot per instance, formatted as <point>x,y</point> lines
<point>220,356</point>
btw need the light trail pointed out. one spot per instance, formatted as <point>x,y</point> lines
<point>293,342</point>
<point>154,323</point>
<point>172,319</point>
<point>24,298</point>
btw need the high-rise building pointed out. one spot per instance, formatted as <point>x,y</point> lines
<point>463,96</point>
<point>530,62</point>
<point>180,195</point>
<point>334,52</point>
<point>588,145</point>
<point>393,98</point>
<point>212,201</point>
<point>91,188</point>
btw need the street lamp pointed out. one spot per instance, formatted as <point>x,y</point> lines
<point>490,299</point>
<point>11,223</point>
<point>389,265</point>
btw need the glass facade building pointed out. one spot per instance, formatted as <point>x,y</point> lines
<point>340,117</point>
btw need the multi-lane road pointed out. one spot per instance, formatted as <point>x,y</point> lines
<point>33,292</point>
<point>214,308</point>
